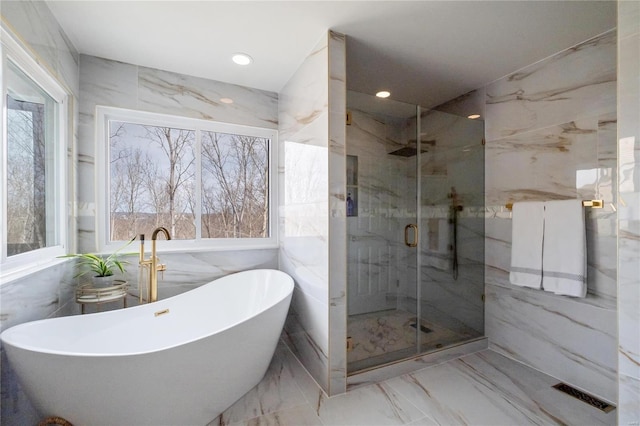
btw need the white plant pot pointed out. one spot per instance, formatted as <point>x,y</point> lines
<point>101,282</point>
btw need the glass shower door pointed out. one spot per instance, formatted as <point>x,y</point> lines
<point>381,203</point>
<point>415,231</point>
<point>451,302</point>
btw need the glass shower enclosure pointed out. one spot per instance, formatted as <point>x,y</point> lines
<point>415,231</point>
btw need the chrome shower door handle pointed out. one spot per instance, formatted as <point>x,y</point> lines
<point>415,235</point>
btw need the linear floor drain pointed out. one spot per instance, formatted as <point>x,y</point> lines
<point>422,328</point>
<point>585,397</point>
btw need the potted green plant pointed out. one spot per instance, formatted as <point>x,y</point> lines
<point>102,268</point>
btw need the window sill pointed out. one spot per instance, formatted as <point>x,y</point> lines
<point>185,246</point>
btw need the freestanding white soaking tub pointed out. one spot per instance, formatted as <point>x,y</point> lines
<point>179,361</point>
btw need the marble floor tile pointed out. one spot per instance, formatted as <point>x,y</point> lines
<point>484,388</point>
<point>277,391</point>
<point>378,404</point>
<point>451,397</point>
<point>298,416</point>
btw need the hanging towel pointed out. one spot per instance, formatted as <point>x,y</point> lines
<point>526,244</point>
<point>564,258</point>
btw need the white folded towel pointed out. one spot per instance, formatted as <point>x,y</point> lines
<point>526,244</point>
<point>564,259</point>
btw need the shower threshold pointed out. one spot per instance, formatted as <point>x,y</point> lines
<point>378,373</point>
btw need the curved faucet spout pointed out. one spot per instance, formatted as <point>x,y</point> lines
<point>162,229</point>
<point>152,263</point>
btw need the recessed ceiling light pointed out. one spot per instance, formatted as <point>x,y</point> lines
<point>241,58</point>
<point>383,94</point>
<point>226,100</point>
<point>474,116</point>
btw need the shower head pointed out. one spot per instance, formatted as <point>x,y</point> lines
<point>411,148</point>
<point>406,151</point>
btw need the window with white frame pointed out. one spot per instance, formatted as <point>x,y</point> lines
<point>208,183</point>
<point>33,161</point>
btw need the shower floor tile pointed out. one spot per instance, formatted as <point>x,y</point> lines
<point>386,336</point>
<point>484,388</point>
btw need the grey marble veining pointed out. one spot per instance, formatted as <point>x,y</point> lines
<point>377,404</point>
<point>36,296</point>
<point>337,213</point>
<point>38,28</point>
<point>107,83</point>
<point>45,294</point>
<point>572,341</point>
<point>551,134</point>
<point>484,388</point>
<point>277,391</point>
<point>305,96</point>
<point>550,163</point>
<point>502,391</point>
<point>177,94</point>
<point>304,208</point>
<point>628,212</point>
<point>573,83</point>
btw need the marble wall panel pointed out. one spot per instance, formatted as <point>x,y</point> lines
<point>545,94</point>
<point>550,135</point>
<point>43,36</point>
<point>45,294</point>
<point>102,82</point>
<point>188,270</point>
<point>109,83</point>
<point>629,212</point>
<point>304,209</point>
<point>551,163</point>
<point>303,100</point>
<point>337,214</point>
<point>176,94</point>
<point>571,341</point>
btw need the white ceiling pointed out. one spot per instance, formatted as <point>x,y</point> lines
<point>424,52</point>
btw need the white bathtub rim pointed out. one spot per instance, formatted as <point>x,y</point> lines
<point>6,337</point>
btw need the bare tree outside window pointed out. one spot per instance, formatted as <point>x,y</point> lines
<point>235,190</point>
<point>153,183</point>
<point>152,170</point>
<point>26,199</point>
<point>34,171</point>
